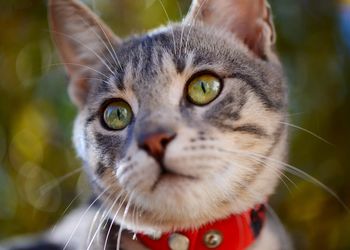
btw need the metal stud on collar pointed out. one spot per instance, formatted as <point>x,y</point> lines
<point>212,239</point>
<point>178,242</point>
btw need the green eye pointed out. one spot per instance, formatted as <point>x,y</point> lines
<point>117,115</point>
<point>204,89</point>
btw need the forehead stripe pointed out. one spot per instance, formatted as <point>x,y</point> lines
<point>255,86</point>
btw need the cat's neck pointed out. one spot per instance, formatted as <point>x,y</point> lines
<point>238,231</point>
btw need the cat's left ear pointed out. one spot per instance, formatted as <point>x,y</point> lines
<point>82,40</point>
<point>250,20</point>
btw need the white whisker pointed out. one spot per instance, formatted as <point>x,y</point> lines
<point>307,131</point>
<point>193,23</point>
<point>66,209</point>
<point>295,171</point>
<point>80,65</point>
<point>93,223</point>
<point>103,219</point>
<point>91,50</point>
<point>172,29</point>
<point>48,186</point>
<point>278,173</point>
<point>83,215</point>
<point>113,219</point>
<point>122,222</point>
<point>114,55</point>
<point>179,9</point>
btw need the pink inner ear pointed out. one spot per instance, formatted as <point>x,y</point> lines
<point>250,20</point>
<point>252,24</point>
<point>254,39</point>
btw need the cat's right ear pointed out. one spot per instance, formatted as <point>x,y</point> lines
<point>250,21</point>
<point>82,39</point>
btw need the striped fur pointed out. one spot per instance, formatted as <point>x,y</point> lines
<point>220,149</point>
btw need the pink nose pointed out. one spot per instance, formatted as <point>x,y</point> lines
<point>155,144</point>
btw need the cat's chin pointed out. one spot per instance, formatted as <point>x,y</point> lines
<point>153,221</point>
<point>154,215</point>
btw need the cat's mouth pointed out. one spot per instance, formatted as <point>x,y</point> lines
<point>169,176</point>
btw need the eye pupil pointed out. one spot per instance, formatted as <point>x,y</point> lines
<point>119,114</point>
<point>203,87</point>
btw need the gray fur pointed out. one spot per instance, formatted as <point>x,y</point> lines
<point>220,151</point>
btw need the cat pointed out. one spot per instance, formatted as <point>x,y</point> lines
<point>179,129</point>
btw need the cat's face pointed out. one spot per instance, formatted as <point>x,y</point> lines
<point>175,126</point>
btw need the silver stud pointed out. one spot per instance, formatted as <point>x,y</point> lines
<point>178,242</point>
<point>212,239</point>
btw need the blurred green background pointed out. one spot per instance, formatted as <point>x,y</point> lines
<point>36,115</point>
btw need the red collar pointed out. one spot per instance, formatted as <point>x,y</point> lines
<point>236,232</point>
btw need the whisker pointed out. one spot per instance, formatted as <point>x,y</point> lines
<point>278,173</point>
<point>115,57</point>
<point>133,220</point>
<point>102,220</point>
<point>102,41</point>
<point>48,186</point>
<point>95,79</point>
<point>122,222</point>
<point>83,215</point>
<point>182,29</point>
<point>181,38</point>
<point>66,209</point>
<point>179,9</point>
<point>307,131</point>
<point>138,214</point>
<point>111,208</point>
<point>297,172</point>
<point>80,65</point>
<point>93,223</point>
<point>272,213</point>
<point>172,29</point>
<point>112,222</point>
<point>91,50</point>
<point>295,114</point>
<point>193,23</point>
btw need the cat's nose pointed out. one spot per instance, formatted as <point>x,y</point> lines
<point>155,144</point>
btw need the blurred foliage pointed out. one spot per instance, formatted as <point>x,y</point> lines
<point>36,115</point>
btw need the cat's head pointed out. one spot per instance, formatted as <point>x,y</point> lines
<point>176,125</point>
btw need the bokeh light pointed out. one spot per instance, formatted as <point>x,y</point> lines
<point>39,188</point>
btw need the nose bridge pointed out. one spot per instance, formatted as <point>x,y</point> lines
<point>155,122</point>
